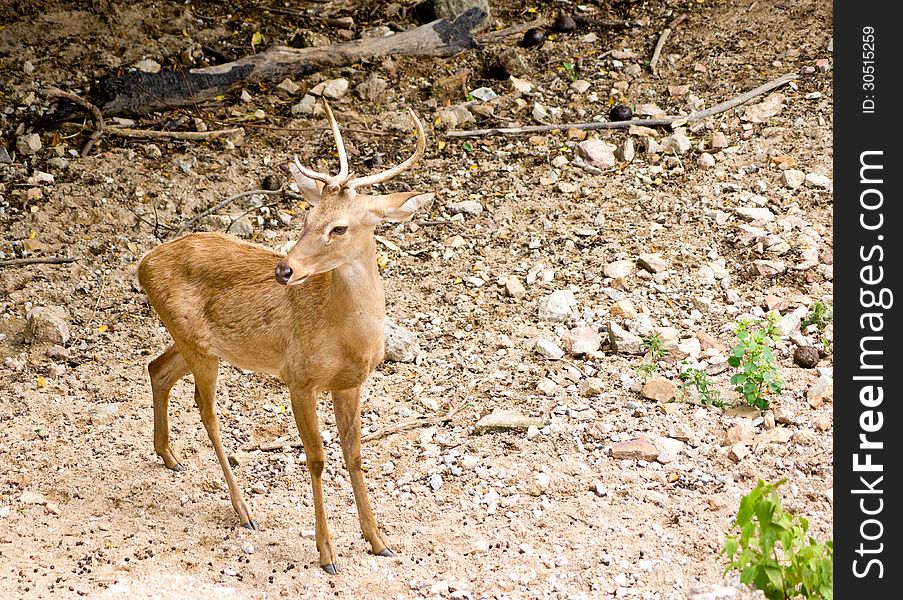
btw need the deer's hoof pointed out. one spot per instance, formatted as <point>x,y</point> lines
<point>386,552</point>
<point>330,568</point>
<point>250,525</point>
<point>178,468</point>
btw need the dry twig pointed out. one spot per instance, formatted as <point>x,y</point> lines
<point>191,222</point>
<point>656,54</point>
<point>96,115</point>
<point>666,121</point>
<point>185,136</point>
<point>36,260</point>
<point>284,442</point>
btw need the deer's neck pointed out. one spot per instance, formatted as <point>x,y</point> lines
<point>356,288</point>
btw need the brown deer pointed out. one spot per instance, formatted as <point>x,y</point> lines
<point>313,318</point>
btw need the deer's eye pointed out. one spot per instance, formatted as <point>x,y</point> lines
<point>339,230</point>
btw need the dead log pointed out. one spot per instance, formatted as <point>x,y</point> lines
<point>139,93</point>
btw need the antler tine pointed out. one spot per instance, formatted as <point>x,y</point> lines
<point>311,173</point>
<point>397,169</point>
<point>340,145</point>
<point>343,155</point>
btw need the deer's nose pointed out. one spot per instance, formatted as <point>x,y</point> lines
<point>283,273</point>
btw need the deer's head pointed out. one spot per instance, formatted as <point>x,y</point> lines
<point>340,223</point>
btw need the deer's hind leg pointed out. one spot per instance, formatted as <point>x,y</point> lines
<point>204,368</point>
<point>165,371</point>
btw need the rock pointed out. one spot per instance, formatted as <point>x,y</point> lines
<point>548,349</point>
<point>504,419</point>
<point>582,340</point>
<point>28,144</point>
<point>591,386</point>
<point>678,143</point>
<point>718,141</point>
<point>455,115</point>
<point>636,449</point>
<point>148,65</point>
<point>597,153</point>
<point>566,187</point>
<point>540,113</point>
<point>618,269</point>
<point>309,105</point>
<point>623,308</point>
<point>761,112</point>
<point>558,306</point>
<point>659,389</point>
<point>752,213</point>
<point>47,324</point>
<point>652,262</point>
<point>547,386</point>
<point>521,85</point>
<point>738,452</point>
<point>5,158</point>
<point>820,392</point>
<point>436,482</point>
<point>626,151</point>
<point>816,180</point>
<point>788,324</point>
<point>401,344</point>
<point>451,88</point>
<point>792,178</point>
<point>709,342</point>
<point>599,489</point>
<point>470,207</point>
<point>452,9</point>
<point>580,86</point>
<point>806,357</point>
<point>29,497</point>
<point>484,93</point>
<point>287,88</point>
<point>740,433</point>
<point>822,422</point>
<point>332,89</point>
<point>512,62</point>
<point>769,268</point>
<point>514,288</point>
<point>371,89</point>
<point>624,342</point>
<point>705,161</point>
<point>783,416</point>
<point>247,548</point>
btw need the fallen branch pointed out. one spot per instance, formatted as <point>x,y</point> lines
<point>96,115</point>
<point>284,443</point>
<point>492,36</point>
<point>140,93</point>
<point>415,423</point>
<point>191,222</point>
<point>153,134</point>
<point>36,260</point>
<point>663,122</point>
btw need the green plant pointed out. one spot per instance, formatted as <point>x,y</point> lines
<point>655,351</point>
<point>569,71</point>
<point>753,356</point>
<point>700,380</point>
<point>773,551</point>
<point>819,315</point>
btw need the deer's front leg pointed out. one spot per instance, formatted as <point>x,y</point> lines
<point>304,408</point>
<point>347,406</point>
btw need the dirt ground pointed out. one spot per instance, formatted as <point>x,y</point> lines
<point>557,511</point>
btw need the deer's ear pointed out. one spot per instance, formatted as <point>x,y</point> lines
<point>401,206</point>
<point>311,189</point>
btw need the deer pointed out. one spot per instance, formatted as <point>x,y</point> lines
<point>312,318</point>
